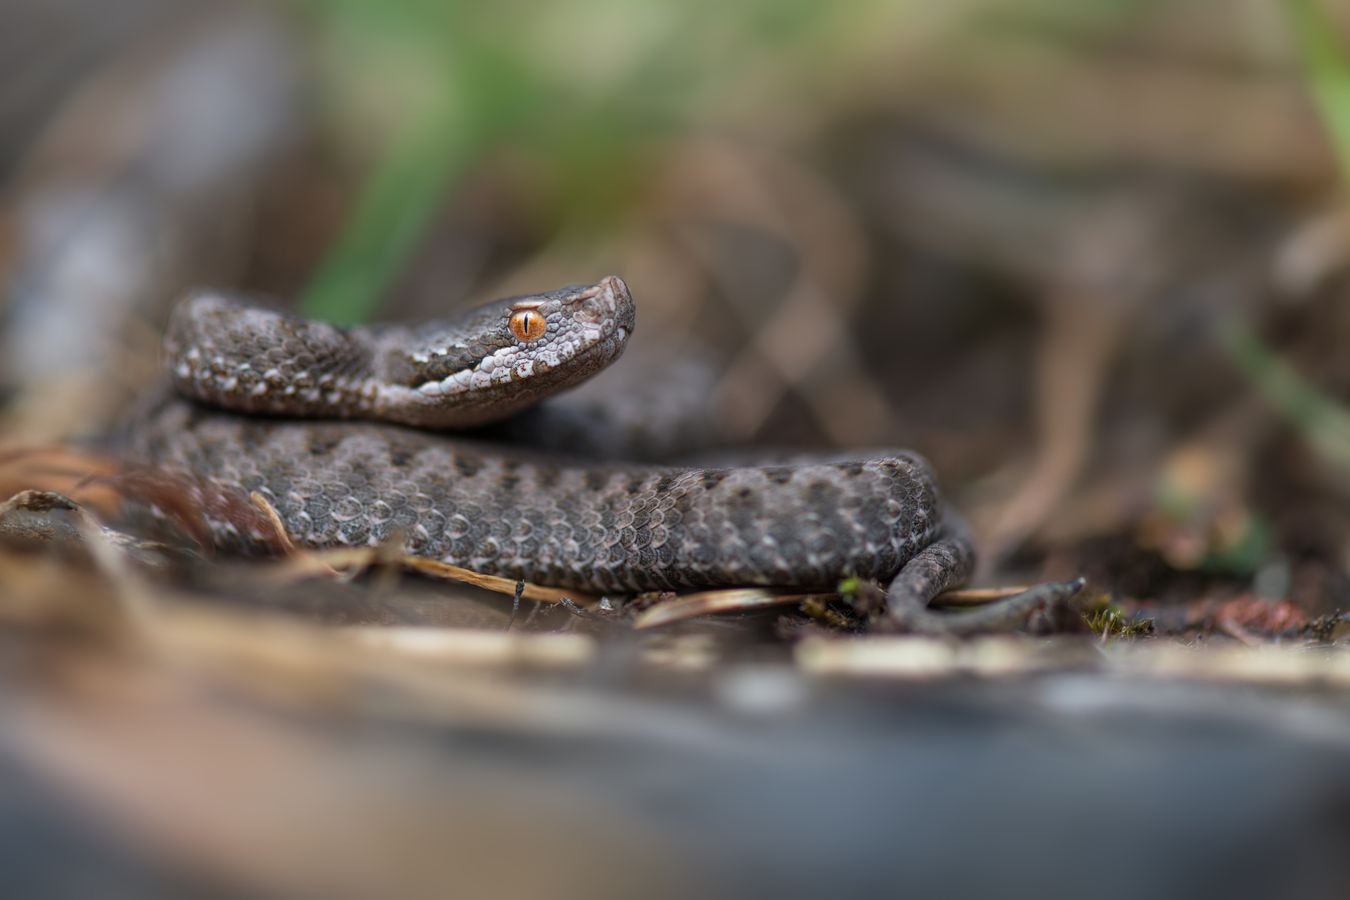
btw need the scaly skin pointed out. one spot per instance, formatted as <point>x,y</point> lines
<point>599,528</point>
<point>446,374</point>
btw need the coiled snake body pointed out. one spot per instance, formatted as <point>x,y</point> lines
<point>267,395</point>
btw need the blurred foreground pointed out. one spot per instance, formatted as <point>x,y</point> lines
<point>171,750</point>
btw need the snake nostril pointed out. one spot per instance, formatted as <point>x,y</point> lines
<point>605,300</point>
<point>590,312</point>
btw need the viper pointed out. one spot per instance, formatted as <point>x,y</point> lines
<point>358,436</point>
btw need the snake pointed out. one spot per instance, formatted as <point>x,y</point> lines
<point>357,436</point>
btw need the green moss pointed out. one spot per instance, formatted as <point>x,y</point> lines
<point>1104,617</point>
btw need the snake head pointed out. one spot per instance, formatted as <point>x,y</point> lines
<point>503,357</point>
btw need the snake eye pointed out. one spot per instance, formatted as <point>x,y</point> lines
<point>528,325</point>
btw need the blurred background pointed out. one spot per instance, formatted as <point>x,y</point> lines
<point>1090,258</point>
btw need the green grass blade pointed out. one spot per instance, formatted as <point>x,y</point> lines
<point>1319,418</point>
<point>1328,69</point>
<point>383,229</point>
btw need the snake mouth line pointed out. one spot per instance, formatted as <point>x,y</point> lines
<point>520,362</point>
<point>462,381</point>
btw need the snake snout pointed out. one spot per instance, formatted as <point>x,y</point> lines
<point>608,301</point>
<point>617,288</point>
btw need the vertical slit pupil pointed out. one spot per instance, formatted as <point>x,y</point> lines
<point>528,325</point>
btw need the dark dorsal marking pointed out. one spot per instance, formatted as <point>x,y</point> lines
<point>712,478</point>
<point>321,443</point>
